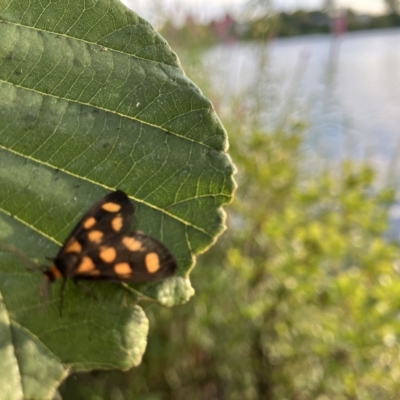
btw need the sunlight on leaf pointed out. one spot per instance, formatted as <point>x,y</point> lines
<point>93,100</point>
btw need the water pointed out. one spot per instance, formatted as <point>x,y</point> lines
<point>349,85</point>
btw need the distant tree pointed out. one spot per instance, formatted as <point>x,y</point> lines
<point>393,6</point>
<point>257,8</point>
<point>329,6</point>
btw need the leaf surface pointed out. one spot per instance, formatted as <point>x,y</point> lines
<point>92,99</point>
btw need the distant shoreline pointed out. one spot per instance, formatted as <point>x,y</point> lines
<point>352,33</point>
<point>271,26</point>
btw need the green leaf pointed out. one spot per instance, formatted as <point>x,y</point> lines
<point>39,347</point>
<point>92,99</point>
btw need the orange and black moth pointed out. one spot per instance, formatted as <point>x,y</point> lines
<point>103,247</point>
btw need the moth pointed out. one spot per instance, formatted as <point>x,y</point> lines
<point>103,247</point>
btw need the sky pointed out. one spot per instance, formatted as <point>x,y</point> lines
<point>206,11</point>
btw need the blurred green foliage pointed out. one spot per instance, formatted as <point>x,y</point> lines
<point>298,300</point>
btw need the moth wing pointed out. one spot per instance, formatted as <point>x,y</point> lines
<point>111,216</point>
<point>134,257</point>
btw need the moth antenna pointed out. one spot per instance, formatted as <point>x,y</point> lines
<point>21,256</point>
<point>44,289</point>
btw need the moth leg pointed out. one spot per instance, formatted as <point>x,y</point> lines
<point>140,296</point>
<point>86,288</point>
<point>62,291</point>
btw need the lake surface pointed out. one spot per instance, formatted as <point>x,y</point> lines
<point>348,86</point>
